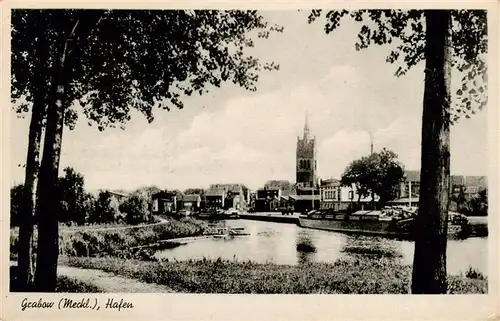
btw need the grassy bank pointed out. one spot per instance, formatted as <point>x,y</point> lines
<point>352,275</point>
<point>118,242</point>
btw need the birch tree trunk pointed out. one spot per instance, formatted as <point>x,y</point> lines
<point>48,208</point>
<point>26,268</point>
<point>429,265</point>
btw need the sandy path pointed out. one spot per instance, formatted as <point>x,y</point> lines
<point>109,282</point>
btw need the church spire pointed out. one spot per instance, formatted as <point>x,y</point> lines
<point>306,127</point>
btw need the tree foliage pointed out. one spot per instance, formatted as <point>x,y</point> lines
<point>194,191</point>
<point>136,210</point>
<point>446,39</point>
<point>478,205</point>
<point>284,185</point>
<point>146,192</point>
<point>141,59</point>
<point>404,31</point>
<point>460,199</point>
<point>358,173</point>
<point>379,174</point>
<point>104,210</point>
<point>107,62</point>
<point>474,205</point>
<point>72,197</point>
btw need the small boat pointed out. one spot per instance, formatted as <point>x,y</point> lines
<point>238,231</point>
<point>231,213</point>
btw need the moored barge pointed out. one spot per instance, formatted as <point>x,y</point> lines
<point>390,222</point>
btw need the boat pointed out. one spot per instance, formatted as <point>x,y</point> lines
<point>238,231</point>
<point>219,214</point>
<point>231,213</point>
<point>390,222</point>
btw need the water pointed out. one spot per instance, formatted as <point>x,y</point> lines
<point>277,243</point>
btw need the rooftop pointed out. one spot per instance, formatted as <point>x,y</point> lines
<point>215,191</point>
<point>467,180</point>
<point>192,198</point>
<point>330,182</point>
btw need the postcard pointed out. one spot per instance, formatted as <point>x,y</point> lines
<point>250,160</point>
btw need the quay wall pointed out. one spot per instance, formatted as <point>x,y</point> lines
<point>272,217</point>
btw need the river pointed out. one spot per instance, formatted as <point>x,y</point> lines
<point>277,243</point>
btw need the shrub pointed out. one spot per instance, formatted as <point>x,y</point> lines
<point>472,273</point>
<point>103,211</point>
<point>136,210</point>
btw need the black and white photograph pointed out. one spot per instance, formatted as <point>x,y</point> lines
<point>249,151</point>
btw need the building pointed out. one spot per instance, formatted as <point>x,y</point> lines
<point>237,196</point>
<point>410,188</point>
<point>191,202</point>
<point>474,184</point>
<point>306,198</point>
<point>285,186</point>
<point>304,202</point>
<point>330,191</point>
<point>305,194</point>
<point>306,165</point>
<point>165,202</point>
<point>267,199</point>
<point>215,198</point>
<point>251,204</point>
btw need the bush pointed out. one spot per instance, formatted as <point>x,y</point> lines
<point>472,273</point>
<point>103,211</point>
<point>136,210</point>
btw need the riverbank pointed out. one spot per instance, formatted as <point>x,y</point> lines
<point>123,241</point>
<point>354,275</point>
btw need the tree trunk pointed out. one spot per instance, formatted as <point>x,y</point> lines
<point>48,208</point>
<point>429,265</point>
<point>25,251</point>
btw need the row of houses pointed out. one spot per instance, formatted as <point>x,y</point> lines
<point>469,185</point>
<point>282,195</point>
<point>217,196</point>
<point>330,194</point>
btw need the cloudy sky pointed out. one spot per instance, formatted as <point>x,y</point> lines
<point>232,135</point>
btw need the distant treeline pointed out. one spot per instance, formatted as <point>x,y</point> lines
<point>77,206</point>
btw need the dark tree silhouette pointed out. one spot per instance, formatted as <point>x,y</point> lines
<point>458,39</point>
<point>379,174</point>
<point>107,62</point>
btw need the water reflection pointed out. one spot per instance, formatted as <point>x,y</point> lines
<point>290,244</point>
<point>305,248</point>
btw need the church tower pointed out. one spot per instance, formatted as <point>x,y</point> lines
<point>306,159</point>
